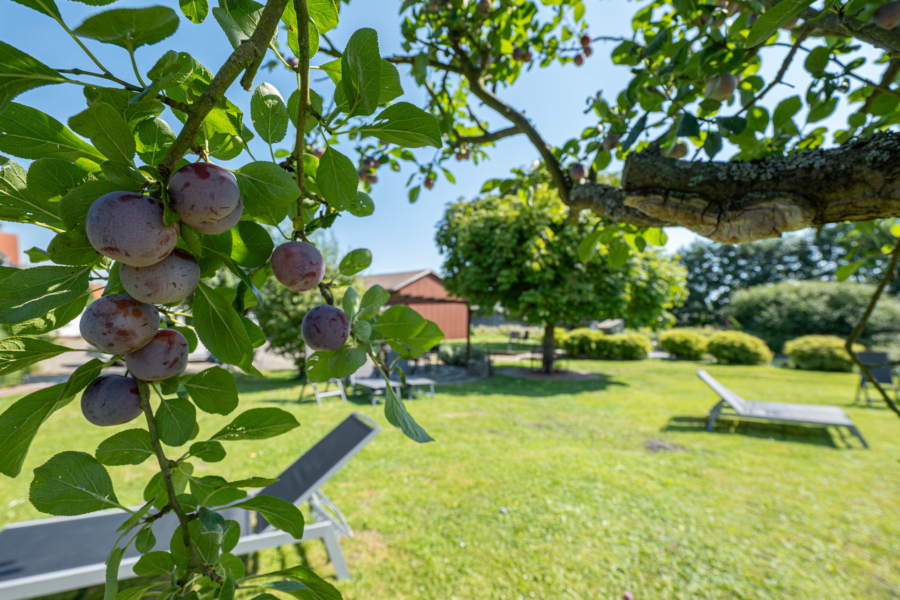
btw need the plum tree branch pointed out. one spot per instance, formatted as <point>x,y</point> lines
<point>303,108</point>
<point>490,136</point>
<point>778,77</point>
<point>245,56</point>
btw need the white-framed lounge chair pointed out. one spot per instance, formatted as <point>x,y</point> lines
<point>417,383</point>
<point>48,556</point>
<point>883,374</point>
<point>368,377</point>
<point>319,394</point>
<point>732,406</point>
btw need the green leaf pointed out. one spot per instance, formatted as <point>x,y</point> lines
<point>20,72</point>
<point>49,179</point>
<point>251,245</point>
<point>238,18</point>
<point>153,138</point>
<point>634,133</point>
<point>20,422</point>
<point>213,390</point>
<point>268,113</point>
<point>280,513</point>
<point>786,109</point>
<point>317,369</point>
<point>17,203</point>
<point>399,322</point>
<point>735,125</point>
<point>817,59</point>
<point>46,7</point>
<point>19,352</point>
<point>72,248</point>
<point>134,107</point>
<point>154,563</point>
<point>390,83</point>
<point>130,447</point>
<point>355,261</point>
<point>145,541</point>
<point>53,319</point>
<point>257,336</point>
<point>206,543</point>
<point>266,190</point>
<point>175,420</point>
<point>189,335</point>
<point>124,176</point>
<point>219,326</point>
<point>712,145</point>
<point>130,28</point>
<point>210,452</point>
<point>195,10</point>
<point>361,205</point>
<point>289,17</point>
<point>33,292</point>
<point>112,573</point>
<point>769,22</point>
<point>361,72</point>
<point>324,13</point>
<point>396,414</point>
<point>72,483</point>
<point>406,125</point>
<point>374,298</point>
<point>689,126</point>
<point>618,255</point>
<point>29,133</point>
<point>257,424</point>
<point>107,130</point>
<point>845,271</point>
<point>74,206</point>
<point>420,343</point>
<point>304,583</point>
<point>346,361</point>
<point>293,108</point>
<point>337,178</point>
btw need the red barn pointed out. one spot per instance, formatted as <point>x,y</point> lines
<point>424,292</point>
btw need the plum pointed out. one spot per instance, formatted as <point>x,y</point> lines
<point>528,56</point>
<point>678,150</point>
<point>429,183</point>
<point>165,356</point>
<point>325,327</point>
<point>887,16</point>
<point>372,178</point>
<point>298,266</point>
<point>611,142</point>
<point>579,60</point>
<point>171,280</point>
<point>223,225</point>
<point>111,400</point>
<point>119,324</point>
<point>129,228</point>
<point>363,175</point>
<point>588,51</point>
<point>721,87</point>
<point>293,62</point>
<point>518,54</point>
<point>576,172</point>
<point>484,8</point>
<point>370,163</point>
<point>318,152</point>
<point>585,41</point>
<point>203,193</point>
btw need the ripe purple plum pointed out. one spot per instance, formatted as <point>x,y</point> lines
<point>363,175</point>
<point>518,54</point>
<point>298,266</point>
<point>111,400</point>
<point>429,183</point>
<point>588,51</point>
<point>293,62</point>
<point>611,142</point>
<point>129,228</point>
<point>222,225</point>
<point>171,280</point>
<point>528,56</point>
<point>721,87</point>
<point>165,356</point>
<point>119,324</point>
<point>325,328</point>
<point>576,172</point>
<point>585,41</point>
<point>319,152</point>
<point>579,60</point>
<point>887,16</point>
<point>203,193</point>
<point>372,178</point>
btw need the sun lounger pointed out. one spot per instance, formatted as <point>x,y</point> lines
<point>368,377</point>
<point>47,556</point>
<point>733,406</point>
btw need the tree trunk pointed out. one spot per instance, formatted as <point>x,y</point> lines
<point>549,348</point>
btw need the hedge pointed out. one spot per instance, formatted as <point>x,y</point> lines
<point>596,344</point>
<point>738,348</point>
<point>683,343</point>
<point>820,353</point>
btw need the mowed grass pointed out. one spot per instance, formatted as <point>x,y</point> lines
<point>753,511</point>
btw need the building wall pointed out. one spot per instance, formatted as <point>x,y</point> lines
<point>9,247</point>
<point>450,317</point>
<point>426,287</point>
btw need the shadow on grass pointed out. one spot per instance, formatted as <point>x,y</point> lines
<point>513,386</point>
<point>784,432</point>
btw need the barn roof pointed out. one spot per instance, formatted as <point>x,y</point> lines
<point>394,282</point>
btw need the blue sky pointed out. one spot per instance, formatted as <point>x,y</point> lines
<point>400,235</point>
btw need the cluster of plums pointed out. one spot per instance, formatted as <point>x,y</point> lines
<point>367,170</point>
<point>586,51</point>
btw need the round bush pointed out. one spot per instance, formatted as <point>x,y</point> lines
<point>580,341</point>
<point>683,343</point>
<point>738,348</point>
<point>622,346</point>
<point>820,353</point>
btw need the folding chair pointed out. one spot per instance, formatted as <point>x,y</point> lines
<point>48,556</point>
<point>883,374</point>
<point>326,394</point>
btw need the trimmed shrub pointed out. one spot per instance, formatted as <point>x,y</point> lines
<point>622,346</point>
<point>683,343</point>
<point>738,348</point>
<point>580,341</point>
<point>455,355</point>
<point>820,353</point>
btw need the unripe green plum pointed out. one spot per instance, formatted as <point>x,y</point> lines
<point>129,228</point>
<point>203,193</point>
<point>171,280</point>
<point>165,356</point>
<point>678,150</point>
<point>325,327</point>
<point>887,16</point>
<point>721,87</point>
<point>119,324</point>
<point>298,266</point>
<point>111,400</point>
<point>223,225</point>
<point>611,142</point>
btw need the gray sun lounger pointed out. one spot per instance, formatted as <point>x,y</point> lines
<point>48,556</point>
<point>732,406</point>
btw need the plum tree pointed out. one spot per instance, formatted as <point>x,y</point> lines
<point>129,228</point>
<point>222,225</point>
<point>721,87</point>
<point>165,356</point>
<point>111,400</point>
<point>577,172</point>
<point>171,280</point>
<point>887,16</point>
<point>119,324</point>
<point>202,194</point>
<point>298,266</point>
<point>325,327</point>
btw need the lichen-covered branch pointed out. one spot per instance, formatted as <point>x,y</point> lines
<point>250,52</point>
<point>492,136</point>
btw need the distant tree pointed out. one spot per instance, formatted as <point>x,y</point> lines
<point>716,271</point>
<point>521,251</point>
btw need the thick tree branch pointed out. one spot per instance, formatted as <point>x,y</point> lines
<point>844,26</point>
<point>411,60</point>
<point>490,136</point>
<point>248,54</point>
<point>739,202</point>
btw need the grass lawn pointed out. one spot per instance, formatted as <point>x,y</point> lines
<point>752,511</point>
